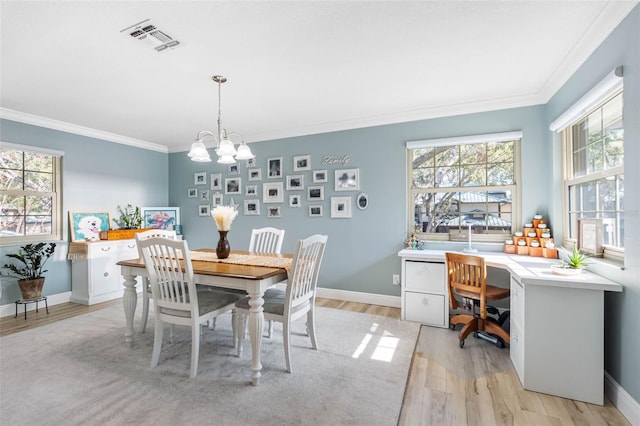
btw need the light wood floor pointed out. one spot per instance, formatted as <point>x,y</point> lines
<point>447,385</point>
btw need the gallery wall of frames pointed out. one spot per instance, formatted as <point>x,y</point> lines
<point>255,190</point>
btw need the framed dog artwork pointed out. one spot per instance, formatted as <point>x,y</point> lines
<point>86,226</point>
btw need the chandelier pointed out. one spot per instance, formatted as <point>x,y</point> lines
<point>225,148</point>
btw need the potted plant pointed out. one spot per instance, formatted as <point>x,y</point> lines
<point>575,263</point>
<point>30,271</point>
<point>130,217</point>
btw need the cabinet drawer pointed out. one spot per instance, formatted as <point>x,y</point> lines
<point>424,277</point>
<point>425,308</point>
<point>516,349</point>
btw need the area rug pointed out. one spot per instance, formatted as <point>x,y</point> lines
<point>79,371</point>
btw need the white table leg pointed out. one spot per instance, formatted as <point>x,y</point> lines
<point>129,301</point>
<point>256,324</point>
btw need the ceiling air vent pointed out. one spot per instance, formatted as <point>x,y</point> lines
<point>149,33</point>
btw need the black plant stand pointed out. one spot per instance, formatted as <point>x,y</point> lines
<point>35,300</point>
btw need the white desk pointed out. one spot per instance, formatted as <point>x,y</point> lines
<point>556,327</point>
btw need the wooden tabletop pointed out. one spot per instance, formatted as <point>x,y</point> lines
<point>224,269</point>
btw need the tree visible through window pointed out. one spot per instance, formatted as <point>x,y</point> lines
<point>456,186</point>
<point>29,194</point>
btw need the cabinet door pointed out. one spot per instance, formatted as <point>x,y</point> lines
<point>425,308</point>
<point>103,273</point>
<point>424,277</point>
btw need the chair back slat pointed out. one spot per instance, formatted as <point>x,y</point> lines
<point>466,273</point>
<point>305,268</point>
<point>170,273</point>
<point>266,240</point>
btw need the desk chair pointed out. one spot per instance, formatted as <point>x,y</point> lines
<point>467,276</point>
<point>146,291</point>
<point>175,298</point>
<point>298,299</point>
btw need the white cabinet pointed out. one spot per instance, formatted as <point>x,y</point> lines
<point>424,292</point>
<point>97,278</point>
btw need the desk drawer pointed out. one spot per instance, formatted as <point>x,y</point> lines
<point>516,349</point>
<point>517,303</point>
<point>424,277</point>
<point>425,308</point>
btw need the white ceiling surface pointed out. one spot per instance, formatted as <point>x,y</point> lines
<point>293,68</point>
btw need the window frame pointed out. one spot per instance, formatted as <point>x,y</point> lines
<point>55,194</point>
<point>610,252</point>
<point>497,237</point>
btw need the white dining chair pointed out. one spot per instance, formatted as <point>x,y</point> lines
<point>266,240</point>
<point>298,299</point>
<point>146,291</point>
<point>175,298</point>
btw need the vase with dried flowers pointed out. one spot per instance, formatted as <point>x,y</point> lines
<point>223,215</point>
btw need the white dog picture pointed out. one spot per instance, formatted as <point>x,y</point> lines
<point>87,226</point>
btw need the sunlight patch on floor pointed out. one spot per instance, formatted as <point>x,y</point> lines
<point>384,349</point>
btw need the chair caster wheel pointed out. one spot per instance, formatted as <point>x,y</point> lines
<point>461,343</point>
<point>500,344</point>
<point>452,326</point>
<point>475,334</point>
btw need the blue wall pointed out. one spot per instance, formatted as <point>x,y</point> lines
<point>96,176</point>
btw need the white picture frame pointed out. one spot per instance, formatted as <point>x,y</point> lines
<point>273,212</point>
<point>295,200</point>
<point>254,175</point>
<point>320,176</point>
<point>192,193</point>
<point>272,192</point>
<point>315,193</point>
<point>347,180</point>
<point>200,178</point>
<point>251,191</point>
<point>233,185</point>
<point>362,201</point>
<point>251,162</point>
<point>340,207</point>
<point>216,181</point>
<point>301,163</point>
<point>217,199</point>
<point>233,169</point>
<point>204,195</point>
<point>315,210</point>
<point>295,182</point>
<point>251,207</point>
<point>204,210</point>
<point>274,168</point>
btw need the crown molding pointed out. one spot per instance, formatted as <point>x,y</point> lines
<point>63,126</point>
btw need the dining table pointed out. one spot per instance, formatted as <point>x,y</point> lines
<point>251,272</point>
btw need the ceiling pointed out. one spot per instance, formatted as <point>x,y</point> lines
<point>293,68</point>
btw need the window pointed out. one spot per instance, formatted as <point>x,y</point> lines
<point>29,194</point>
<point>457,183</point>
<point>594,172</point>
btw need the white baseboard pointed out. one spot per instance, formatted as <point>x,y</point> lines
<point>356,296</point>
<point>629,407</point>
<point>54,299</point>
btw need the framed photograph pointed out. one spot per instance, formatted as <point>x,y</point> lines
<point>251,162</point>
<point>251,191</point>
<point>232,185</point>
<point>315,193</point>
<point>255,174</point>
<point>274,167</point>
<point>295,200</point>
<point>234,169</point>
<point>200,178</point>
<point>251,207</point>
<point>273,212</point>
<point>347,180</point>
<point>362,201</point>
<point>204,195</point>
<point>216,199</point>
<point>216,181</point>
<point>341,207</point>
<point>315,211</point>
<point>301,163</point>
<point>204,210</point>
<point>295,183</point>
<point>272,192</point>
<point>87,225</point>
<point>319,176</point>
<point>590,236</point>
<point>160,217</point>
<point>192,193</point>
